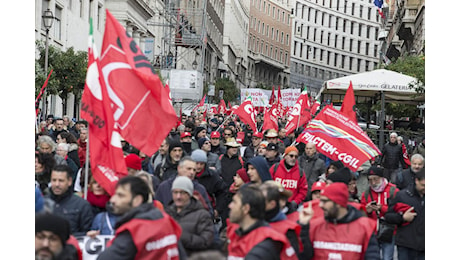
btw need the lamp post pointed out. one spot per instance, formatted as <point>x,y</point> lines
<point>48,19</point>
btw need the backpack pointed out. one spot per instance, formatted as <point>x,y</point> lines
<point>392,193</point>
<point>278,164</point>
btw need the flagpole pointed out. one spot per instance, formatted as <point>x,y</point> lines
<point>86,166</point>
<point>224,121</point>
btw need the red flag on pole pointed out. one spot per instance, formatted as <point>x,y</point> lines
<point>348,104</point>
<point>247,114</point>
<point>300,113</point>
<point>37,100</point>
<point>339,138</point>
<point>202,101</point>
<point>106,157</point>
<point>272,97</point>
<point>271,119</point>
<point>141,104</point>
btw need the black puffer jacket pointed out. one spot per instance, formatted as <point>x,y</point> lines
<point>410,235</point>
<point>197,226</point>
<point>166,169</point>
<point>215,187</point>
<point>392,156</point>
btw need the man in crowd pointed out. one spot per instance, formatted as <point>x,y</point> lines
<point>51,235</point>
<point>375,201</point>
<point>196,223</point>
<point>216,146</point>
<point>392,158</point>
<point>75,209</point>
<point>287,173</point>
<point>311,165</point>
<point>156,159</point>
<point>271,136</point>
<point>212,158</point>
<point>407,211</point>
<point>186,141</point>
<point>251,150</point>
<point>271,154</point>
<point>249,235</point>
<point>319,236</point>
<point>138,235</point>
<point>407,176</point>
<point>258,171</point>
<point>168,167</point>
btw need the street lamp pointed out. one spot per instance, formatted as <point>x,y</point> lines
<point>48,19</point>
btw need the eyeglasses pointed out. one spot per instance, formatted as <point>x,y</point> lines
<point>227,134</point>
<point>293,155</point>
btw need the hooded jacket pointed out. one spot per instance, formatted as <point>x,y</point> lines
<point>261,166</point>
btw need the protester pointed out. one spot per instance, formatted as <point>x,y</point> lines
<point>230,162</point>
<point>392,158</point>
<point>62,149</point>
<point>168,166</point>
<point>271,135</point>
<point>250,237</point>
<point>44,163</point>
<point>271,154</point>
<point>257,170</point>
<point>239,180</point>
<point>196,223</point>
<point>356,231</point>
<point>251,150</point>
<point>46,145</point>
<point>212,158</point>
<point>73,208</point>
<point>68,138</point>
<point>407,176</point>
<point>375,201</point>
<point>186,141</point>
<point>133,163</point>
<point>157,158</point>
<point>216,146</point>
<point>311,165</point>
<point>51,235</point>
<point>137,230</point>
<point>287,173</point>
<point>407,211</point>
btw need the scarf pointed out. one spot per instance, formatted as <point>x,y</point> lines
<point>98,200</point>
<point>381,187</point>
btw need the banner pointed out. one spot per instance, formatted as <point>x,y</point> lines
<point>92,247</point>
<point>261,97</point>
<point>339,138</point>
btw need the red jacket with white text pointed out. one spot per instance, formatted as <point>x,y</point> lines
<point>292,180</point>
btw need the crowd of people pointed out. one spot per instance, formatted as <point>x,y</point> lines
<point>217,189</point>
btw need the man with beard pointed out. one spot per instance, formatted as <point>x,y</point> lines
<point>51,235</point>
<point>375,201</point>
<point>407,176</point>
<point>143,231</point>
<point>319,236</point>
<point>168,166</point>
<point>200,132</point>
<point>75,209</point>
<point>249,234</point>
<point>156,159</point>
<point>186,141</point>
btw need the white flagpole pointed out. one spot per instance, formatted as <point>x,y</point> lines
<point>86,166</point>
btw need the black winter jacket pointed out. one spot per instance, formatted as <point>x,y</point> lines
<point>76,210</point>
<point>413,234</point>
<point>392,156</point>
<point>215,187</point>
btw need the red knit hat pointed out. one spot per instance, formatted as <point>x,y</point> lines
<point>133,161</point>
<point>290,149</point>
<point>243,175</point>
<point>337,192</point>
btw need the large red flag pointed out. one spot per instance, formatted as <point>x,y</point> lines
<point>202,101</point>
<point>271,119</point>
<point>300,114</point>
<point>141,106</point>
<point>339,138</point>
<point>348,104</point>
<point>106,156</point>
<point>247,114</point>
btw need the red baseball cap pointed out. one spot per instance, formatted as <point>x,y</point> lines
<point>258,134</point>
<point>185,134</point>
<point>319,185</point>
<point>215,134</point>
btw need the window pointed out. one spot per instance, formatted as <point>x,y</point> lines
<point>345,25</point>
<point>358,47</point>
<point>287,39</point>
<point>295,48</point>
<point>321,53</point>
<point>345,7</point>
<point>321,37</point>
<point>352,8</point>
<point>375,50</point>
<point>359,29</point>
<point>82,11</point>
<point>352,24</point>
<point>282,37</point>
<point>327,58</point>
<point>350,64</point>
<point>358,66</point>
<point>368,32</point>
<point>314,35</point>
<point>338,4</point>
<point>343,42</point>
<point>316,16</point>
<point>91,3</point>
<point>336,56</point>
<point>328,38</point>
<point>57,23</point>
<point>351,44</point>
<point>100,17</point>
<point>361,11</point>
<point>369,13</point>
<point>367,48</point>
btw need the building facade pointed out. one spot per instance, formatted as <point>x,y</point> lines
<point>332,38</point>
<point>269,43</point>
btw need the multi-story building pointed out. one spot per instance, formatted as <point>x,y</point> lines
<point>404,29</point>
<point>235,45</point>
<point>332,38</point>
<point>269,43</point>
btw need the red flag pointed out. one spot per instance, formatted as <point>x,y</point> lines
<point>300,113</point>
<point>222,109</point>
<point>37,100</point>
<point>106,157</point>
<point>202,101</point>
<point>314,108</point>
<point>179,118</point>
<point>229,110</point>
<point>339,138</point>
<point>348,104</point>
<point>204,115</point>
<point>271,119</point>
<point>272,96</point>
<point>279,94</point>
<point>141,105</point>
<point>246,113</point>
